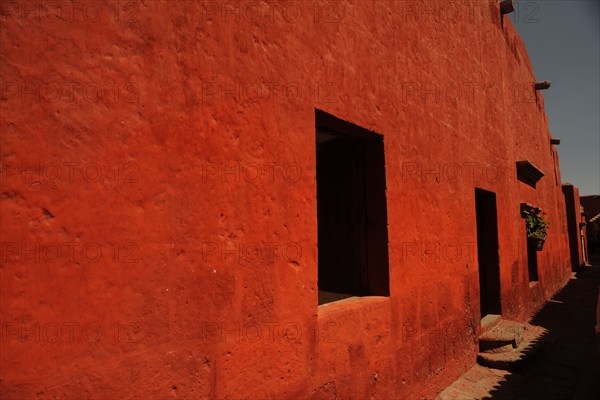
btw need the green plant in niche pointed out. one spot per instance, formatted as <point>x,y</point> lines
<point>536,224</point>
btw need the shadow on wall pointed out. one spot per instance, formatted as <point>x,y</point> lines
<point>569,365</point>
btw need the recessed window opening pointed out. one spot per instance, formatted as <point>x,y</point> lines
<point>351,211</point>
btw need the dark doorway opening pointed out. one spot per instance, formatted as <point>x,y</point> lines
<point>532,262</point>
<point>487,252</point>
<point>572,225</point>
<point>351,211</point>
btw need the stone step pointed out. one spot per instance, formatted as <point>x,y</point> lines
<point>530,345</point>
<point>504,336</point>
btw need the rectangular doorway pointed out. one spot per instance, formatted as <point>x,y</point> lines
<point>532,264</point>
<point>351,211</point>
<point>487,252</point>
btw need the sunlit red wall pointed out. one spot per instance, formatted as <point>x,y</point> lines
<point>159,230</point>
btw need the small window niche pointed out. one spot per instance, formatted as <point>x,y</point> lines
<point>351,210</point>
<point>528,173</point>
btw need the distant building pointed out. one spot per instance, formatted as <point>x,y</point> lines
<point>576,226</point>
<point>591,207</point>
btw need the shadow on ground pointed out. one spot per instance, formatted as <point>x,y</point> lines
<point>569,365</point>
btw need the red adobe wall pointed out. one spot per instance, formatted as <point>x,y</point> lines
<point>159,232</point>
<point>574,217</point>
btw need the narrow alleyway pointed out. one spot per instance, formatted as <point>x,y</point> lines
<point>569,365</point>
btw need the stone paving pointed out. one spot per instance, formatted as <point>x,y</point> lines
<point>569,365</point>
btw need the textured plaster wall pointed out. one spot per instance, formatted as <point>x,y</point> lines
<point>574,217</point>
<point>158,203</point>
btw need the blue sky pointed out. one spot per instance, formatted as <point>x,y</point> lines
<point>563,41</point>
